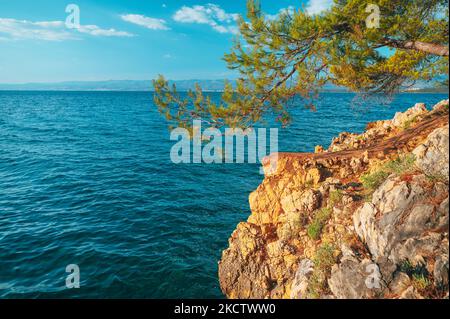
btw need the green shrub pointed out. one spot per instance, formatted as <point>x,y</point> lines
<point>401,165</point>
<point>411,270</point>
<point>314,230</point>
<point>323,261</point>
<point>324,257</point>
<point>409,123</point>
<point>398,166</point>
<point>406,267</point>
<point>321,217</point>
<point>418,274</point>
<point>316,286</point>
<point>335,197</point>
<point>374,180</point>
<point>421,282</point>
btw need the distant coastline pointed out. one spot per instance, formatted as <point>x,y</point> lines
<point>146,86</point>
<point>111,85</point>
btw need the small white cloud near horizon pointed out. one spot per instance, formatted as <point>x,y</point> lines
<point>13,29</point>
<point>209,14</point>
<point>96,31</point>
<point>147,22</point>
<point>318,6</point>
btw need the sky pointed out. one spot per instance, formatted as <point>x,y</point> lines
<point>122,39</point>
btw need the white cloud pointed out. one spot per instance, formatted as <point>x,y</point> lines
<point>317,6</point>
<point>13,29</point>
<point>167,56</point>
<point>210,14</point>
<point>96,31</point>
<point>149,23</point>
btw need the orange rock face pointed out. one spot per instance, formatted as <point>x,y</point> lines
<point>300,236</point>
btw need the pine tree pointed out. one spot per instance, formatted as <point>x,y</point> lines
<point>296,54</point>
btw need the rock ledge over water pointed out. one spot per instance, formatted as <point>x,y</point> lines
<point>366,218</point>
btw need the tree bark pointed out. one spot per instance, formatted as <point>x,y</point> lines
<point>431,48</point>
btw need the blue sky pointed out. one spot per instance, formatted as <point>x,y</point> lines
<point>122,39</point>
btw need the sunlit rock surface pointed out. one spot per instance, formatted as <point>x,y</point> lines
<point>366,218</point>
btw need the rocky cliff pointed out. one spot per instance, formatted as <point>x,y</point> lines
<point>366,218</point>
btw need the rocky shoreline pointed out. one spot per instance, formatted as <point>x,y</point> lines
<point>366,218</point>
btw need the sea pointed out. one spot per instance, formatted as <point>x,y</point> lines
<point>86,179</point>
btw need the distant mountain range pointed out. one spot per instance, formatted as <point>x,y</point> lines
<point>146,85</point>
<point>112,85</point>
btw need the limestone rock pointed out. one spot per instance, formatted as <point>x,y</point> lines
<point>301,279</point>
<point>401,118</point>
<point>306,201</point>
<point>441,105</point>
<point>440,271</point>
<point>242,263</point>
<point>352,279</point>
<point>391,243</point>
<point>399,211</point>
<point>432,156</point>
<point>411,293</point>
<point>400,284</point>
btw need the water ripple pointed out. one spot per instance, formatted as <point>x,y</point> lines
<point>86,178</point>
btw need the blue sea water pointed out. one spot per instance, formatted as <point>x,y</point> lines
<point>86,179</point>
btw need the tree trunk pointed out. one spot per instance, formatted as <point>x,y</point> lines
<point>431,48</point>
